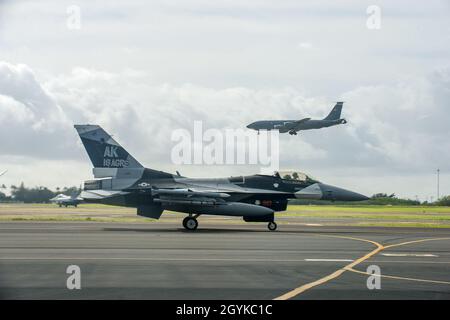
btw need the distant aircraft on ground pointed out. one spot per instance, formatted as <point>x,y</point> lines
<point>121,180</point>
<point>64,200</point>
<point>293,126</point>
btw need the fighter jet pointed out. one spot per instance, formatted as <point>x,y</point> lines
<point>65,200</point>
<point>121,180</point>
<point>293,126</point>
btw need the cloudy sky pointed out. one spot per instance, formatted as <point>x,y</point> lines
<point>144,68</point>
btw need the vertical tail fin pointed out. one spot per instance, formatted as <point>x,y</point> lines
<point>103,150</point>
<point>335,114</point>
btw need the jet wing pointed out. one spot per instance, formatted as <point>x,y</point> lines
<point>208,196</point>
<point>293,126</point>
<point>3,172</point>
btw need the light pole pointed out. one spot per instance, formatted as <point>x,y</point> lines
<point>438,184</point>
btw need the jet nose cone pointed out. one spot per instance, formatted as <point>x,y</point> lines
<point>250,126</point>
<point>338,194</point>
<point>358,197</point>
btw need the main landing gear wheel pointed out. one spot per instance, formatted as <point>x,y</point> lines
<point>272,226</point>
<point>190,223</point>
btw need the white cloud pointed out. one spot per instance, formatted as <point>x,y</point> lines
<point>228,44</point>
<point>28,113</point>
<point>386,133</point>
<point>305,45</point>
<point>143,69</point>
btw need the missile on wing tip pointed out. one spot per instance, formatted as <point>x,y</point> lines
<point>187,192</point>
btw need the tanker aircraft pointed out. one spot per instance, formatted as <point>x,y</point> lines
<point>293,126</point>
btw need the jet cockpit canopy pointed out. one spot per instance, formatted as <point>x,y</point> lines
<point>295,175</point>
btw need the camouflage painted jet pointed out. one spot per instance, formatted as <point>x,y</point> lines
<point>121,180</point>
<point>293,126</point>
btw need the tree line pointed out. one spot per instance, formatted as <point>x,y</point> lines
<point>38,194</point>
<point>378,199</point>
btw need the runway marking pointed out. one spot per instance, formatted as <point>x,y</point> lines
<point>146,259</point>
<point>349,267</point>
<point>411,262</point>
<point>335,274</point>
<point>329,260</point>
<point>409,255</point>
<point>399,278</point>
<point>414,241</point>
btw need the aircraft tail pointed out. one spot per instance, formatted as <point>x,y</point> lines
<point>335,114</point>
<point>103,150</point>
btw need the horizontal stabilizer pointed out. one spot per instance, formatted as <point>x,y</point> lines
<point>101,194</point>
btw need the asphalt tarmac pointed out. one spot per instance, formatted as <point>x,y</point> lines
<point>222,261</point>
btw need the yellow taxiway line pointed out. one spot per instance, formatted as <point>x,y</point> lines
<point>349,267</point>
<point>399,278</point>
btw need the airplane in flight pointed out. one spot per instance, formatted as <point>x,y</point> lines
<point>121,180</point>
<point>293,126</point>
<point>65,200</point>
<point>2,173</point>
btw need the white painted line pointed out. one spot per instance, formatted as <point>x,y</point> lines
<point>145,259</point>
<point>172,259</point>
<point>329,260</point>
<point>313,224</point>
<point>408,255</point>
<point>410,261</point>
